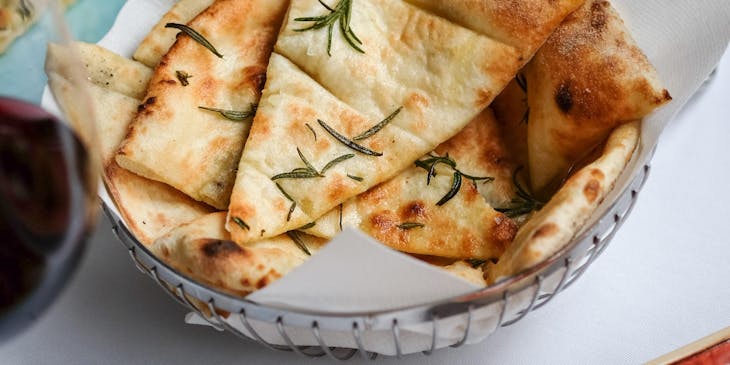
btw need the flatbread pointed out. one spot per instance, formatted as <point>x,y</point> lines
<point>523,24</point>
<point>148,207</point>
<point>202,250</point>
<point>159,40</point>
<point>465,227</point>
<point>16,17</point>
<point>114,72</point>
<point>511,112</point>
<point>561,219</point>
<point>171,139</point>
<point>442,76</point>
<point>588,78</point>
<point>467,272</point>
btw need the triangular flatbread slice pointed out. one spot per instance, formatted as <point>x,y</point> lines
<point>588,78</point>
<point>171,139</point>
<point>149,208</point>
<point>561,219</point>
<point>437,75</point>
<point>202,250</point>
<point>403,212</point>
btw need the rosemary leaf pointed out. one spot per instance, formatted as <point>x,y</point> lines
<point>296,175</point>
<point>356,178</point>
<point>306,162</point>
<point>348,143</point>
<point>241,223</point>
<point>524,202</point>
<point>192,33</point>
<point>455,186</point>
<point>340,14</point>
<point>378,127</point>
<point>340,217</point>
<point>298,241</point>
<point>312,130</point>
<point>307,226</point>
<point>334,162</point>
<point>293,203</point>
<point>25,9</point>
<point>234,115</point>
<point>475,263</point>
<point>410,225</point>
<point>183,77</point>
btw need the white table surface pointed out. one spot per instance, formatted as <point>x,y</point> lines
<point>663,282</point>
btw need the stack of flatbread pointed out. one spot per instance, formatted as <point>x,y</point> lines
<point>248,133</point>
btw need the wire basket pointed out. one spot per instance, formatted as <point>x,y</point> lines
<point>464,319</point>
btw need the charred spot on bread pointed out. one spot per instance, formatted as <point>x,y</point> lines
<point>218,248</point>
<point>563,97</point>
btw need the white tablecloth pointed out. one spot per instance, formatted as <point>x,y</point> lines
<point>663,282</point>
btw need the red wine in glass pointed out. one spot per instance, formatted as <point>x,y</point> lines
<point>46,208</point>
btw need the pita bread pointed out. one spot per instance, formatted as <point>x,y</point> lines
<point>202,250</point>
<point>523,24</point>
<point>467,272</point>
<point>554,225</point>
<point>148,207</point>
<point>114,72</point>
<point>436,102</point>
<point>465,227</point>
<point>588,78</point>
<point>171,139</point>
<point>159,40</point>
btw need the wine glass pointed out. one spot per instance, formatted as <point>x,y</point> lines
<point>48,174</point>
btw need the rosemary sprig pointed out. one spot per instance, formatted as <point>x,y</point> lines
<point>524,202</point>
<point>430,163</point>
<point>337,160</point>
<point>410,225</point>
<point>356,178</point>
<point>312,130</point>
<point>348,143</point>
<point>293,203</point>
<point>294,235</point>
<point>307,172</point>
<point>241,223</point>
<point>234,115</point>
<point>341,14</point>
<point>378,127</point>
<point>183,77</point>
<point>192,33</point>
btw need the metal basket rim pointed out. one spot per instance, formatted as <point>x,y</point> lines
<point>497,289</point>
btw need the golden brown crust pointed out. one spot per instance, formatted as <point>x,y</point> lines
<point>564,215</point>
<point>203,250</point>
<point>173,141</point>
<point>588,78</point>
<point>524,24</point>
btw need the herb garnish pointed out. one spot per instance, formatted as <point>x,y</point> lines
<point>475,263</point>
<point>356,178</point>
<point>307,226</point>
<point>340,217</point>
<point>410,225</point>
<point>312,130</point>
<point>348,143</point>
<point>337,160</point>
<point>430,163</point>
<point>523,203</point>
<point>341,13</point>
<point>293,203</point>
<point>521,80</point>
<point>241,223</point>
<point>294,235</point>
<point>25,9</point>
<point>378,126</point>
<point>234,115</point>
<point>192,33</point>
<point>307,172</point>
<point>183,77</point>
